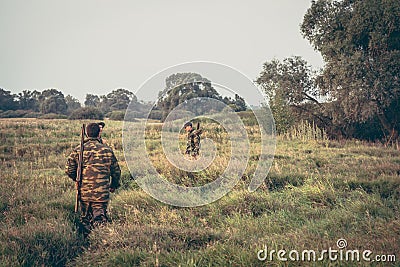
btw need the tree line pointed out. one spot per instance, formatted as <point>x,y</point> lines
<point>52,103</point>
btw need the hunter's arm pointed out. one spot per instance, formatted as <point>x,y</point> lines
<point>72,165</point>
<point>190,137</point>
<point>115,172</point>
<point>196,142</point>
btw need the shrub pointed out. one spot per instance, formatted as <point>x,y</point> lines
<point>155,115</point>
<point>86,113</point>
<point>33,114</point>
<point>53,116</point>
<point>14,113</point>
<point>117,115</point>
<point>19,113</point>
<point>248,117</point>
<point>135,114</point>
<point>132,115</point>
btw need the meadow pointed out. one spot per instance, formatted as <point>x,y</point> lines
<point>317,191</point>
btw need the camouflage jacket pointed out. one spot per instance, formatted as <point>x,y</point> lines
<point>193,142</point>
<point>103,141</point>
<point>99,163</point>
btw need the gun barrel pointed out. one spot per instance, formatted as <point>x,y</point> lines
<point>79,171</point>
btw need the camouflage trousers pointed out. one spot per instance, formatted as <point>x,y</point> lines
<point>93,214</point>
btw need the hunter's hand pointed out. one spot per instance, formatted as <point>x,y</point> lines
<point>112,190</point>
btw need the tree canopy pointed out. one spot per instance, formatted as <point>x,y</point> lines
<point>290,87</point>
<point>7,101</point>
<point>360,43</point>
<point>359,86</point>
<point>52,101</point>
<point>118,99</point>
<point>181,87</point>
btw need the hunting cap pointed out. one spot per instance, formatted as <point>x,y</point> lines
<point>187,124</point>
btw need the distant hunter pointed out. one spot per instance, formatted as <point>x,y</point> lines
<point>193,140</point>
<point>100,175</point>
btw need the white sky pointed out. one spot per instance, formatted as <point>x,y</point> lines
<point>95,46</point>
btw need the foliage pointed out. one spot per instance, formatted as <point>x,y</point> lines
<point>86,113</point>
<point>13,113</point>
<point>155,114</point>
<point>139,109</point>
<point>53,116</point>
<point>290,88</point>
<point>357,93</point>
<point>116,100</point>
<point>7,100</point>
<point>360,43</point>
<point>282,113</point>
<point>32,114</point>
<point>292,79</point>
<point>116,115</point>
<point>92,100</point>
<point>28,100</point>
<point>304,131</point>
<point>72,104</point>
<point>239,103</point>
<point>52,101</point>
<point>181,87</point>
<point>248,117</point>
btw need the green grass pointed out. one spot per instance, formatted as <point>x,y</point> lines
<point>317,191</point>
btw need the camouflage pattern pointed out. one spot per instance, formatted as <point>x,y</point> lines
<point>193,142</point>
<point>103,141</point>
<point>93,214</point>
<point>99,163</point>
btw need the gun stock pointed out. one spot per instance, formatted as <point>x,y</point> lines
<point>78,180</point>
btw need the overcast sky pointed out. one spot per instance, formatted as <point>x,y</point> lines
<point>95,46</point>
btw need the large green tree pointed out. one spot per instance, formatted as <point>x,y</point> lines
<point>290,88</point>
<point>360,43</point>
<point>181,87</point>
<point>72,104</point>
<point>118,99</point>
<point>7,101</point>
<point>28,100</point>
<point>52,101</point>
<point>92,100</point>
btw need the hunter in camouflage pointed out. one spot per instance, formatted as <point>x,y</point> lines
<point>99,165</point>
<point>193,140</point>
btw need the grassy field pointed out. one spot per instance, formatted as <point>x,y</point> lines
<point>317,192</point>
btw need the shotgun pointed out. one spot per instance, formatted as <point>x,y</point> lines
<point>78,180</point>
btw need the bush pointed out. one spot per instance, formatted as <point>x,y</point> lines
<point>33,114</point>
<point>53,116</point>
<point>19,113</point>
<point>248,117</point>
<point>155,114</point>
<point>135,114</point>
<point>132,115</point>
<point>86,113</point>
<point>117,115</point>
